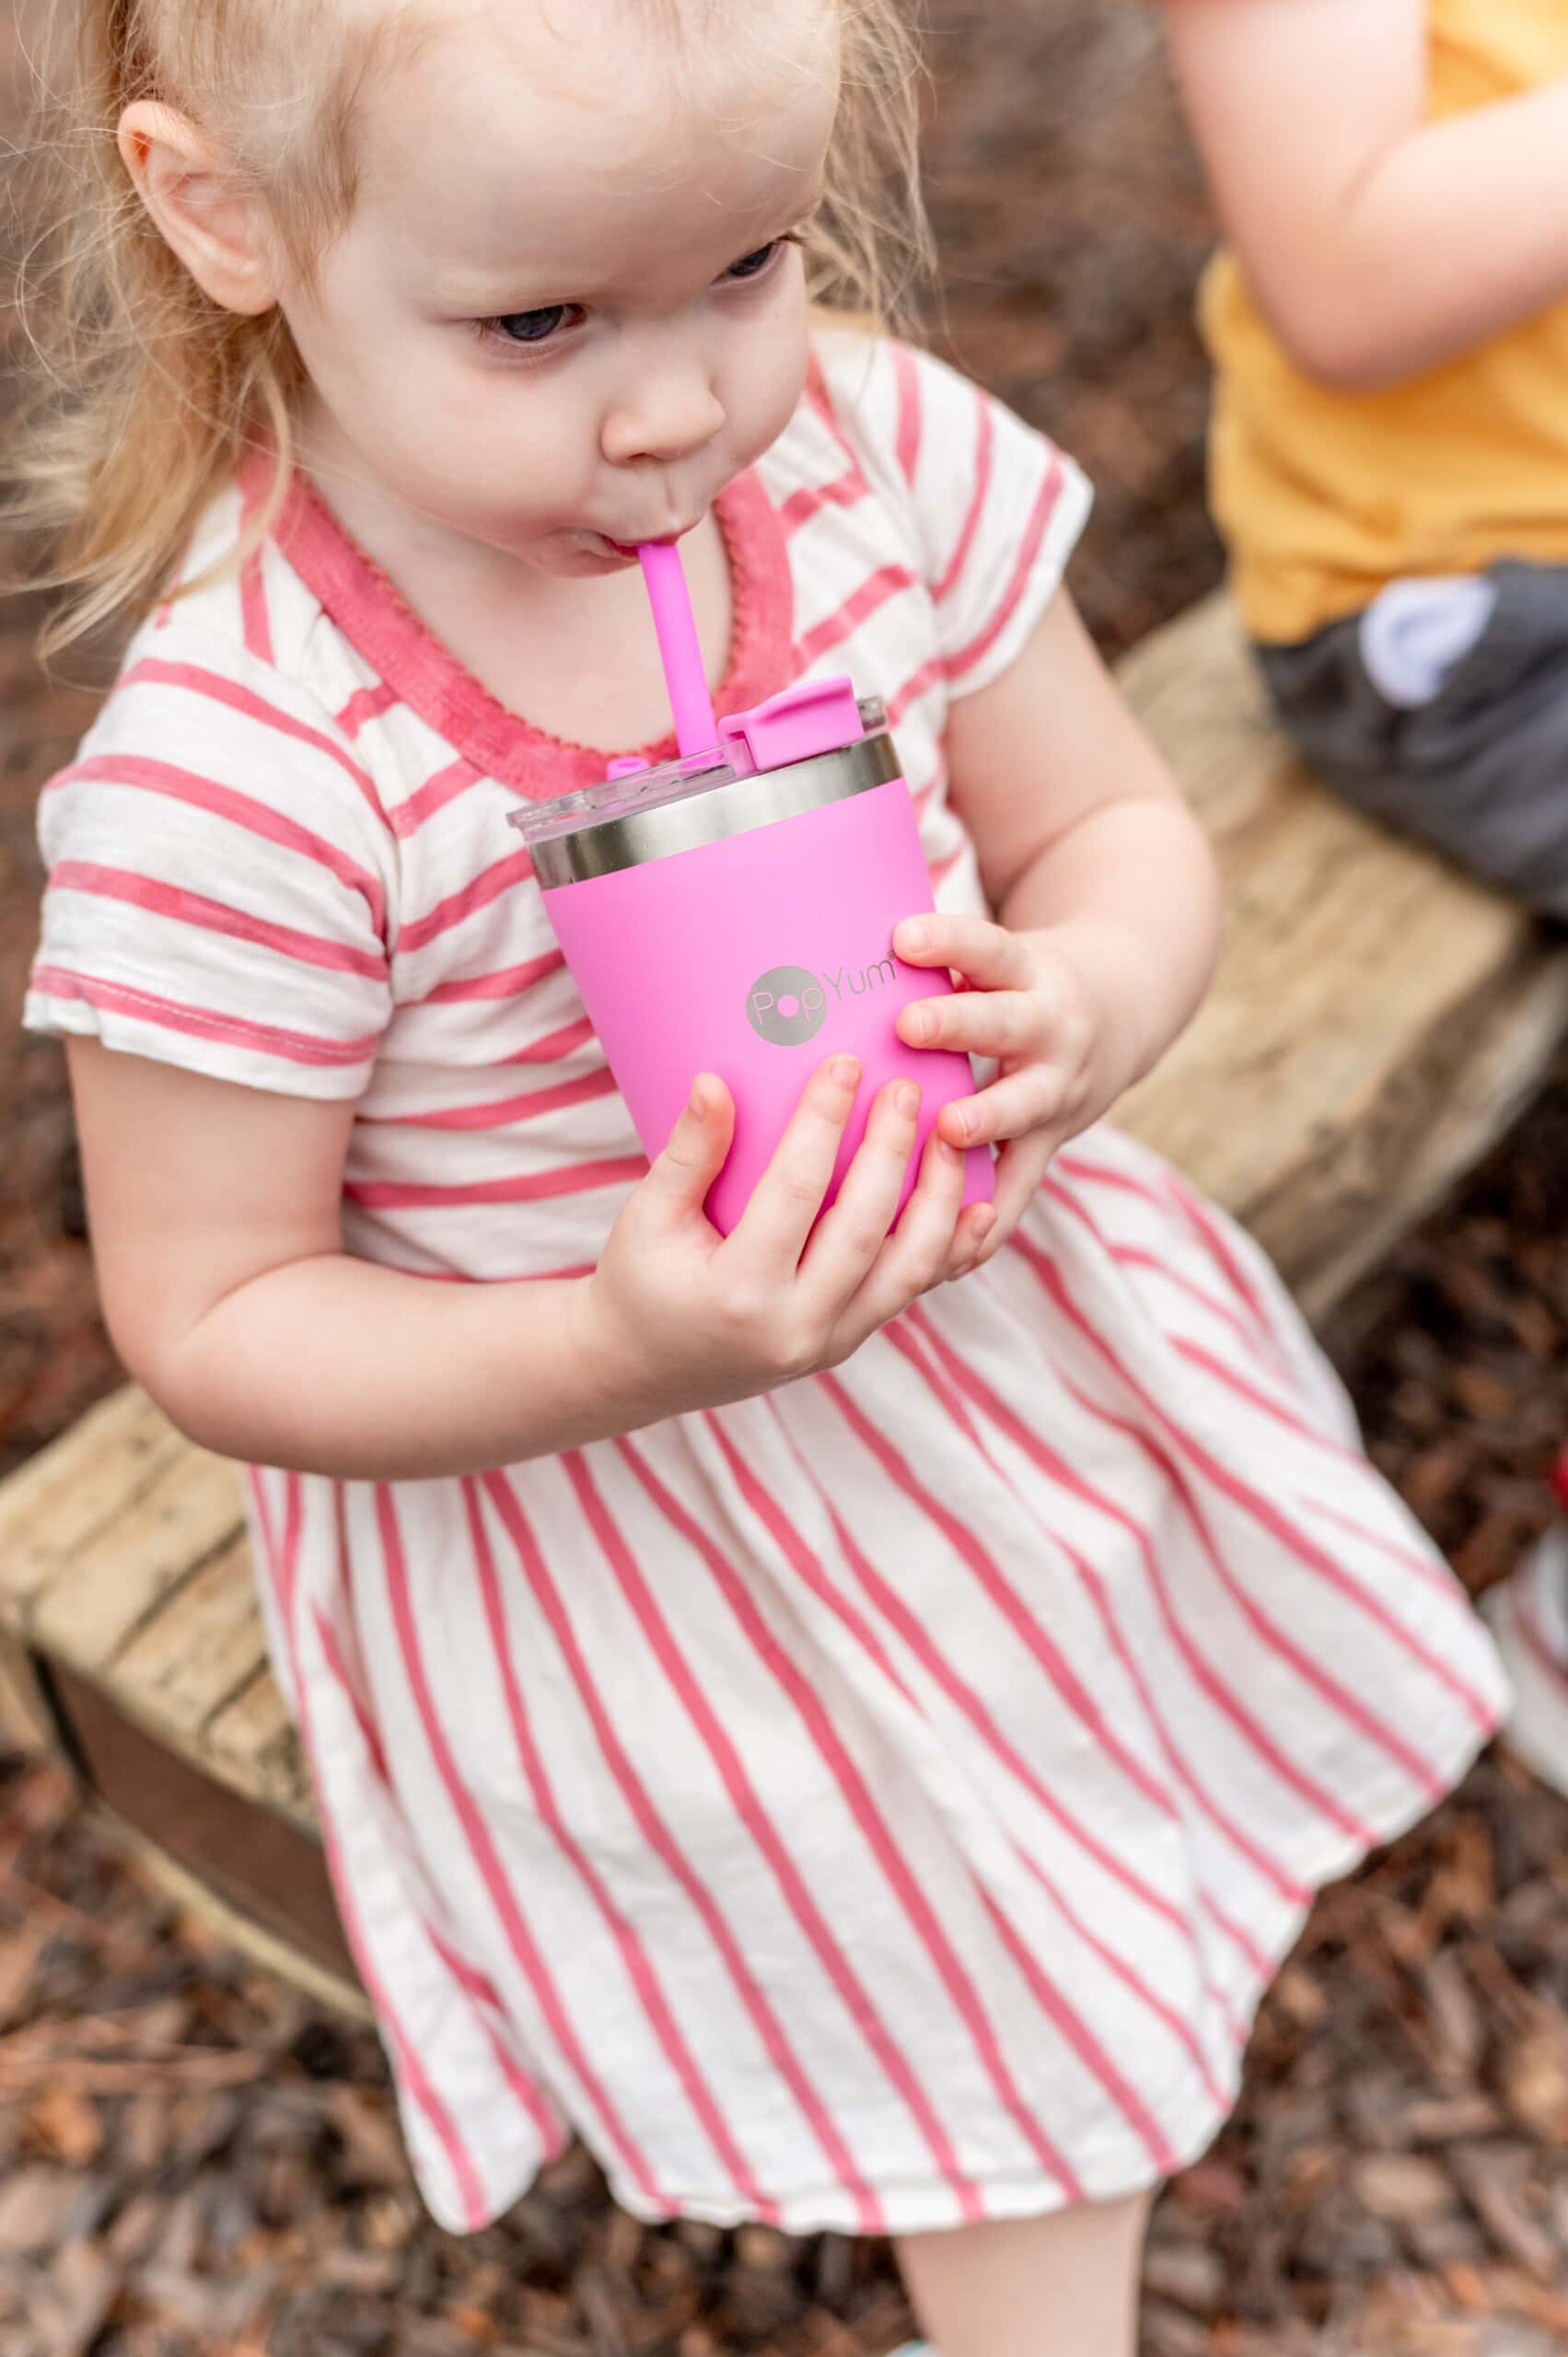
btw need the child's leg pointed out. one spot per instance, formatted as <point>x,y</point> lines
<point>1063,2286</point>
<point>1526,1613</point>
<point>1529,1613</point>
<point>1443,710</point>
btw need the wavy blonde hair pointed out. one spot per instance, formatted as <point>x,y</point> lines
<point>138,393</point>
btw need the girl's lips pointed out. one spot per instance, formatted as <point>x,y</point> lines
<point>656,540</point>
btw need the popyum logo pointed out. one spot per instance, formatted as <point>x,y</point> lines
<point>787,1005</point>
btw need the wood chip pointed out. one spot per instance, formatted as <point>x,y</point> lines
<point>84,2284</point>
<point>1535,2079</point>
<point>1493,2180</point>
<point>62,2119</point>
<point>32,2203</point>
<point>1188,2274</point>
<point>1396,2186</point>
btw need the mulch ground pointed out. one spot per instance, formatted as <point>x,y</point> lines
<point>194,2159</point>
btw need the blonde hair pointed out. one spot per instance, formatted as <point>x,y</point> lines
<point>144,393</point>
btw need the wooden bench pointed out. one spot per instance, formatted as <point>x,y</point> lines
<point>1376,1024</point>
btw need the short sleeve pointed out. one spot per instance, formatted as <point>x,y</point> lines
<point>221,878</point>
<point>995,507</point>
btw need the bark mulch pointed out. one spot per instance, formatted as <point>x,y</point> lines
<point>194,2160</point>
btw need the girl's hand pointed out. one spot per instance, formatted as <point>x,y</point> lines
<point>1061,1045</point>
<point>678,1316</point>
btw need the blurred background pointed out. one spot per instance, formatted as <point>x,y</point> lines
<point>216,2167</point>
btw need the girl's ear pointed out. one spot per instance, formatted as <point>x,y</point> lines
<point>217,231</point>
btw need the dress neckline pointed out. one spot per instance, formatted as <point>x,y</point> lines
<point>373,614</point>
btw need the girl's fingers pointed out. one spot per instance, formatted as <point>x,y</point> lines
<point>787,1197</point>
<point>1008,1107</point>
<point>976,1222</point>
<point>916,1256</point>
<point>977,1023</point>
<point>987,953</point>
<point>694,1154</point>
<point>849,1236</point>
<point>1020,1166</point>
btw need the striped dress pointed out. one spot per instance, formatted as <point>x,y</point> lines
<point>872,1806</point>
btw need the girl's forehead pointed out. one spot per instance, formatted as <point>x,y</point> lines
<point>647,92</point>
<point>580,128</point>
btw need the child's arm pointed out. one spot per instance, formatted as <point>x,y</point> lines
<point>214,1217</point>
<point>1106,898</point>
<point>1378,244</point>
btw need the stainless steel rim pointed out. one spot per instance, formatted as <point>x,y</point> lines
<point>638,836</point>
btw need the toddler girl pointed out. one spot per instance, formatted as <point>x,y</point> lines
<point>850,1746</point>
<point>1389,457</point>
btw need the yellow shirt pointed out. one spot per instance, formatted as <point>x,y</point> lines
<point>1324,496</point>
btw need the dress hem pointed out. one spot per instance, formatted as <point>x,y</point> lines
<point>1105,2175</point>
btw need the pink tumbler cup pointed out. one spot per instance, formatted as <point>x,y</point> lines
<point>734,912</point>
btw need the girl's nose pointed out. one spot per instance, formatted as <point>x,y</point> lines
<point>664,417</point>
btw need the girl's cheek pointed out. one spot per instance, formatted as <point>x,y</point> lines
<point>775,380</point>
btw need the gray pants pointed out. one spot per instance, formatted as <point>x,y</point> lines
<point>1479,771</point>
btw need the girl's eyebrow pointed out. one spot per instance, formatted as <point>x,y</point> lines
<point>473,290</point>
<point>479,288</point>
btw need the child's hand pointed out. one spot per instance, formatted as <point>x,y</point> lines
<point>678,1316</point>
<point>1062,1050</point>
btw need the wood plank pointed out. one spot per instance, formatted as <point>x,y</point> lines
<point>198,1897</point>
<point>252,1744</point>
<point>79,1486</point>
<point>194,1672</point>
<point>257,1863</point>
<point>26,1722</point>
<point>1376,1017</point>
<point>186,1660</point>
<point>164,1531</point>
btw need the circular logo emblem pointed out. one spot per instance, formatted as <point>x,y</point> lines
<point>787,1005</point>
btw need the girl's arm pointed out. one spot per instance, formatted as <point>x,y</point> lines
<point>1083,835</point>
<point>1107,899</point>
<point>214,1218</point>
<point>1376,243</point>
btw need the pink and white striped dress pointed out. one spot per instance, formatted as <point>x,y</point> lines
<point>872,1806</point>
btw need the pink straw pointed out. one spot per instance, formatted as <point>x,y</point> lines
<point>695,727</point>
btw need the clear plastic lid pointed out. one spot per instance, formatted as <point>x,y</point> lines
<point>818,716</point>
<point>621,796</point>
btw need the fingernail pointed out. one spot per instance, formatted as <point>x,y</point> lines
<point>916,935</point>
<point>845,1071</point>
<point>695,1106</point>
<point>923,1023</point>
<point>966,1124</point>
<point>906,1096</point>
<point>984,1221</point>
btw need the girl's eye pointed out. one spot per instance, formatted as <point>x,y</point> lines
<point>752,265</point>
<point>532,327</point>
